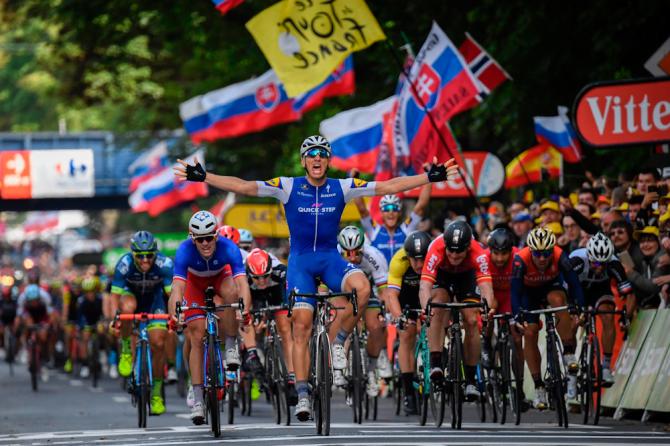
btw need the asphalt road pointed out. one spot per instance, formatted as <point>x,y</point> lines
<point>68,411</point>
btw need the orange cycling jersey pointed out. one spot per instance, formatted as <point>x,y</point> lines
<point>532,276</point>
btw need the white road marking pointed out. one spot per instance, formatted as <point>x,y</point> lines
<point>96,389</point>
<point>120,399</point>
<point>76,383</point>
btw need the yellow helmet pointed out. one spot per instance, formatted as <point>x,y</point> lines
<point>90,284</point>
<point>541,239</point>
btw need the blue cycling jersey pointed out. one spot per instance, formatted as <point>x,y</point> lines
<point>313,212</point>
<point>189,264</point>
<point>148,288</point>
<point>381,239</point>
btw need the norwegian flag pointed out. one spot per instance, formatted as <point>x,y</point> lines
<point>484,68</point>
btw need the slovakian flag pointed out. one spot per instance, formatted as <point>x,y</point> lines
<point>356,136</point>
<point>557,131</point>
<point>440,84</point>
<point>148,164</point>
<point>340,82</point>
<point>533,166</point>
<point>484,68</point>
<point>226,5</point>
<point>163,190</point>
<point>237,109</point>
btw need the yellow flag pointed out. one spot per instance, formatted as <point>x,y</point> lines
<point>305,40</point>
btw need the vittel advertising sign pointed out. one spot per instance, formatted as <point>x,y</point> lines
<point>620,113</point>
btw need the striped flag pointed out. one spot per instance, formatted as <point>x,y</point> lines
<point>557,131</point>
<point>533,166</point>
<point>485,69</point>
<point>226,5</point>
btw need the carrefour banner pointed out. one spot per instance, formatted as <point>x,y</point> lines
<point>26,174</point>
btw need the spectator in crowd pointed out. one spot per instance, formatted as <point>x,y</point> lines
<point>522,223</point>
<point>608,218</point>
<point>571,238</point>
<point>587,196</point>
<point>647,177</point>
<point>550,212</point>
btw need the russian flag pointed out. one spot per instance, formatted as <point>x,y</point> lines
<point>237,109</point>
<point>148,164</point>
<point>341,82</point>
<point>557,131</point>
<point>356,136</point>
<point>163,190</point>
<point>441,81</point>
<point>226,5</point>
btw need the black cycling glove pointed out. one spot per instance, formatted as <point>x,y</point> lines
<point>437,173</point>
<point>195,173</point>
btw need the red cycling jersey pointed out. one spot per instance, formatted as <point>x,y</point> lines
<point>502,282</point>
<point>437,259</point>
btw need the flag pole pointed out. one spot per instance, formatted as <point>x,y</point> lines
<point>433,124</point>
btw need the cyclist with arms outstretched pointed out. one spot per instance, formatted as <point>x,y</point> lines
<point>313,205</point>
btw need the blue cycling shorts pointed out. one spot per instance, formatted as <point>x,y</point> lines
<point>304,269</point>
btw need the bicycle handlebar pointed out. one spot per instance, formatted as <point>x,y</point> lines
<point>454,306</point>
<point>142,316</point>
<point>323,297</point>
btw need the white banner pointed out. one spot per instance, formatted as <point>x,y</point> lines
<point>62,173</point>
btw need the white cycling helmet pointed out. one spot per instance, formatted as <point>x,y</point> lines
<point>350,238</point>
<point>600,248</point>
<point>389,199</point>
<point>246,236</point>
<point>202,223</point>
<point>315,141</point>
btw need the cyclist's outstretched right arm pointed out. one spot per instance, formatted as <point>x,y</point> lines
<point>176,295</point>
<point>231,184</point>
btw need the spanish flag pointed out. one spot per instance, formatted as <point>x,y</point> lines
<point>304,42</point>
<point>533,166</point>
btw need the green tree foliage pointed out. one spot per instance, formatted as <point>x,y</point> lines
<point>126,65</point>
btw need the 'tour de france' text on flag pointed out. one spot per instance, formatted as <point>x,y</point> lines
<point>305,41</point>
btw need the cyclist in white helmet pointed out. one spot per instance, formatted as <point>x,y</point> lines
<point>352,246</point>
<point>597,266</point>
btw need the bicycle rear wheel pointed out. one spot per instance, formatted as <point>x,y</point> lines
<point>34,363</point>
<point>480,381</point>
<point>597,368</point>
<point>94,359</point>
<point>423,371</point>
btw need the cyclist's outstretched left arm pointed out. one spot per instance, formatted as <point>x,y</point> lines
<point>437,173</point>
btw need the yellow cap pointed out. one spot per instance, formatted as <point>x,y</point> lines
<point>623,207</point>
<point>551,205</point>
<point>596,216</point>
<point>665,199</point>
<point>663,218</point>
<point>653,230</point>
<point>555,227</point>
<point>574,199</point>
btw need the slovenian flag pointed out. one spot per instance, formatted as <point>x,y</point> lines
<point>557,131</point>
<point>237,109</point>
<point>163,190</point>
<point>148,164</point>
<point>226,5</point>
<point>341,82</point>
<point>356,136</point>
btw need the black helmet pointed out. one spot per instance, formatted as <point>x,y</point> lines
<point>500,240</point>
<point>416,244</point>
<point>457,236</point>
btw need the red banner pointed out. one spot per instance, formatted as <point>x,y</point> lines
<point>622,113</point>
<point>483,171</point>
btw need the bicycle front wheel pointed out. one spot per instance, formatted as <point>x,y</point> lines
<point>34,364</point>
<point>556,381</point>
<point>357,381</point>
<point>143,388</point>
<point>456,380</point>
<point>325,383</point>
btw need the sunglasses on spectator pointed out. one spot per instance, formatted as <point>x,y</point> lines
<point>204,238</point>
<point>390,208</point>
<point>144,255</point>
<point>313,153</point>
<point>546,254</point>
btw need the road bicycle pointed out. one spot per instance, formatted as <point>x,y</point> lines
<point>216,381</point>
<point>507,377</point>
<point>321,373</point>
<point>555,376</point>
<point>453,385</point>
<point>589,378</point>
<point>141,378</point>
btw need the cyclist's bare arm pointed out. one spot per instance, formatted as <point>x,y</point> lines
<point>424,199</point>
<point>243,288</point>
<point>401,184</point>
<point>227,183</point>
<point>486,290</point>
<point>390,296</point>
<point>425,289</point>
<point>176,295</point>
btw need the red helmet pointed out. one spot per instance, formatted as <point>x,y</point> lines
<point>230,233</point>
<point>259,263</point>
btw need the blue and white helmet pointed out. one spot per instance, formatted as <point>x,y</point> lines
<point>246,236</point>
<point>202,223</point>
